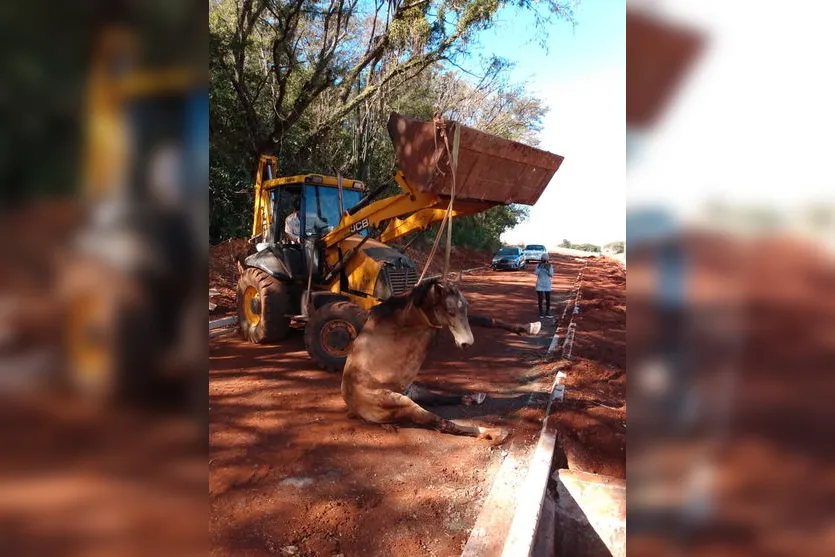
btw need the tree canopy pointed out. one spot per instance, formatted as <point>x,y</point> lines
<point>582,247</point>
<point>615,247</point>
<point>313,82</point>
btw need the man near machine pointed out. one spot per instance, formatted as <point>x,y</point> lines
<point>292,225</point>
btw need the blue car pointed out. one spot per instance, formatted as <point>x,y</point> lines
<point>508,258</point>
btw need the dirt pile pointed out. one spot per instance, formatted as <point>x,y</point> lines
<point>592,419</point>
<point>223,274</point>
<point>31,237</point>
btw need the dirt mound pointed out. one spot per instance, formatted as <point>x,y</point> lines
<point>223,273</point>
<point>593,416</point>
<point>32,236</point>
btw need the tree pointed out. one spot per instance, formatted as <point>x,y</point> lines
<point>615,247</point>
<point>586,247</point>
<point>582,247</point>
<point>282,57</point>
<point>484,230</point>
<point>493,104</point>
<point>313,82</point>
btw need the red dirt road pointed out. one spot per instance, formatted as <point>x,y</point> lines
<point>291,474</point>
<point>592,420</point>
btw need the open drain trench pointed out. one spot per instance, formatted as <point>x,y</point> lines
<point>583,517</point>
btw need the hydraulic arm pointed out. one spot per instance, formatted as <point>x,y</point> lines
<point>423,210</point>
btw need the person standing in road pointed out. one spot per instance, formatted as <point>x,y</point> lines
<point>544,272</point>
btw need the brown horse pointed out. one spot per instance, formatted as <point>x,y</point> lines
<point>389,351</point>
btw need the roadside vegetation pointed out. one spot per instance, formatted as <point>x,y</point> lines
<point>313,83</point>
<point>582,247</point>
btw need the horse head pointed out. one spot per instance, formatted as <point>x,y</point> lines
<point>445,306</point>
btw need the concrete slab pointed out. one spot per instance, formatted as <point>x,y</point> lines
<point>488,535</point>
<point>591,514</point>
<point>523,530</point>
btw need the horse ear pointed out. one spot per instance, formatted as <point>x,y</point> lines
<point>438,291</point>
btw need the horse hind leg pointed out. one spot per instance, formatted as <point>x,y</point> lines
<point>402,408</point>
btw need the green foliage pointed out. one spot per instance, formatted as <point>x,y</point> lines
<point>313,83</point>
<point>615,247</point>
<point>230,199</point>
<point>582,247</point>
<point>586,247</point>
<point>484,230</point>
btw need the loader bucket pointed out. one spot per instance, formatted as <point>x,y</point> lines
<point>489,168</point>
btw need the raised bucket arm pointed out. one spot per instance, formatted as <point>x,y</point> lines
<point>491,171</point>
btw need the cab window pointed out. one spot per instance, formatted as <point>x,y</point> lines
<point>322,205</point>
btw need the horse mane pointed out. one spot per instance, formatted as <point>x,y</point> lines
<point>396,304</point>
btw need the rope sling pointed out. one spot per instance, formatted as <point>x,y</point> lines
<point>452,154</point>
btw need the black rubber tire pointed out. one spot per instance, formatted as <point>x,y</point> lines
<point>121,332</point>
<point>273,323</point>
<point>346,316</point>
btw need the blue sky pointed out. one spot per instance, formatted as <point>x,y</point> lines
<point>581,77</point>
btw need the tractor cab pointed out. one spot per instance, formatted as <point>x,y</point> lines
<point>312,207</point>
<point>292,213</point>
<point>132,284</point>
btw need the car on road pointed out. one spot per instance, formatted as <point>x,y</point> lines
<point>534,252</point>
<point>508,258</point>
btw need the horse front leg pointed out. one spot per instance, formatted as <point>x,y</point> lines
<point>518,328</point>
<point>400,408</point>
<point>423,395</point>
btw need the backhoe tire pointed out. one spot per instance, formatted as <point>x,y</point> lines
<point>331,331</point>
<point>110,346</point>
<point>262,302</point>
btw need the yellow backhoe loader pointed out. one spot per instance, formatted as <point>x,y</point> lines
<point>131,281</point>
<point>330,266</point>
